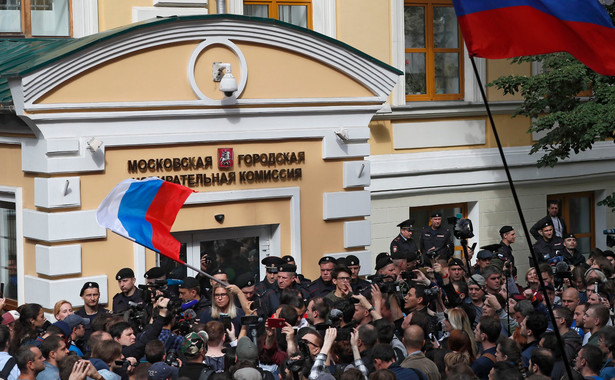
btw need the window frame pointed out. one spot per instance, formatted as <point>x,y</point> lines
<point>430,52</point>
<point>26,22</point>
<point>564,213</point>
<point>273,6</point>
<point>14,195</point>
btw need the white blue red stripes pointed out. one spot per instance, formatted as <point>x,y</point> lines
<point>512,28</point>
<point>144,211</point>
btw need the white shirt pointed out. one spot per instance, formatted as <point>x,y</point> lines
<point>4,357</point>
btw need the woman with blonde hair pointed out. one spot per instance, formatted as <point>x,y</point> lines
<point>451,359</point>
<point>457,319</point>
<point>531,278</point>
<point>222,307</point>
<point>62,309</point>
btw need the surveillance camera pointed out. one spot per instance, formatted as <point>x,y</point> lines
<point>228,84</point>
<point>219,218</point>
<point>94,144</point>
<point>342,134</point>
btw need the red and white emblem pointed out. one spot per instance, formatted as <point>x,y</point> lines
<point>225,157</point>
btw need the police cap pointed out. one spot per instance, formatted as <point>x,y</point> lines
<point>352,260</point>
<point>381,255</point>
<point>124,273</point>
<point>288,259</point>
<point>408,223</point>
<point>327,259</point>
<point>505,229</point>
<point>155,272</point>
<point>291,268</point>
<point>190,283</point>
<point>436,214</point>
<point>272,263</point>
<point>570,236</point>
<point>245,280</point>
<point>383,262</point>
<point>546,224</point>
<point>399,255</point>
<point>88,285</point>
<point>455,261</point>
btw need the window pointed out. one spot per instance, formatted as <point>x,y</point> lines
<point>433,51</point>
<point>577,210</point>
<point>29,18</point>
<point>8,249</point>
<point>294,12</point>
<point>422,219</point>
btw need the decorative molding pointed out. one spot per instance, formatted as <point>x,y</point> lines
<point>430,134</point>
<point>324,17</point>
<point>357,233</point>
<point>356,174</point>
<point>416,173</point>
<point>58,260</point>
<point>290,193</point>
<point>48,292</point>
<point>37,157</point>
<point>471,87</point>
<point>85,17</point>
<point>369,73</point>
<point>180,3</point>
<point>57,192</point>
<point>439,110</point>
<point>62,226</point>
<point>346,204</point>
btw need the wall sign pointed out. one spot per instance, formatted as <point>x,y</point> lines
<point>198,171</point>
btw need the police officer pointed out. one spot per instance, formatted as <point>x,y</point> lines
<point>157,275</point>
<point>323,285</point>
<point>90,293</point>
<point>286,280</point>
<point>301,280</point>
<point>354,265</point>
<point>549,246</point>
<point>190,293</point>
<point>404,243</point>
<point>572,256</point>
<point>504,251</point>
<point>436,240</point>
<point>270,282</point>
<point>129,292</point>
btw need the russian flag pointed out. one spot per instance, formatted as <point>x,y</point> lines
<point>511,28</point>
<point>144,211</point>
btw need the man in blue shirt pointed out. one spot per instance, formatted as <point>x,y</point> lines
<point>486,333</point>
<point>532,328</point>
<point>54,349</point>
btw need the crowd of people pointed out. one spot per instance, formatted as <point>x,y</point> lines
<point>423,314</point>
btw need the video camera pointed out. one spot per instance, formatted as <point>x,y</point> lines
<point>462,227</point>
<point>610,237</point>
<point>388,287</point>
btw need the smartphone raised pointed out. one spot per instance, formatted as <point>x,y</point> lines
<point>226,321</point>
<point>276,323</point>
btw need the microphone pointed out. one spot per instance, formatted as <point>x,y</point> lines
<point>561,267</point>
<point>172,281</point>
<point>189,314</point>
<point>189,305</point>
<point>609,231</point>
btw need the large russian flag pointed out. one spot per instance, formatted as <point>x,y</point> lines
<point>512,28</point>
<point>144,211</point>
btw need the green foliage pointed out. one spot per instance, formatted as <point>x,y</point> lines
<point>570,123</point>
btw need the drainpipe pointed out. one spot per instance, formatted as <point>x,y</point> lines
<point>221,7</point>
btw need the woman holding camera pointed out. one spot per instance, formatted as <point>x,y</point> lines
<point>223,309</point>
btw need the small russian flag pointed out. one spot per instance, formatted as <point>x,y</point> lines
<point>144,211</point>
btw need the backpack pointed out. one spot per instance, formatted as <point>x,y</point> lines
<point>8,367</point>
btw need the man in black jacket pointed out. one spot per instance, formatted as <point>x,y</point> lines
<point>559,226</point>
<point>548,246</point>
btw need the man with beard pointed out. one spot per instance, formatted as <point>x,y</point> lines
<point>323,285</point>
<point>129,292</point>
<point>548,246</point>
<point>404,243</point>
<point>271,263</point>
<point>436,240</point>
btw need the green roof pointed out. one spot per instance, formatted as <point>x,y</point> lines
<point>20,56</point>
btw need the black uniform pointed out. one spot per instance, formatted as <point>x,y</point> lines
<point>505,251</point>
<point>440,238</point>
<point>271,299</point>
<point>546,250</point>
<point>360,286</point>
<point>318,288</point>
<point>263,286</point>
<point>401,244</point>
<point>541,223</point>
<point>576,258</point>
<point>120,301</point>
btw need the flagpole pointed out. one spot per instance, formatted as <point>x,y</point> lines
<point>203,273</point>
<point>522,219</point>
